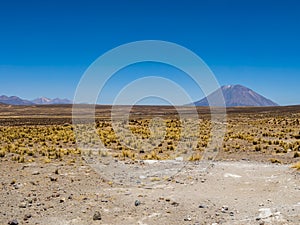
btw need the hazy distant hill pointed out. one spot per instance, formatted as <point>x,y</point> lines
<point>238,95</point>
<point>14,100</point>
<point>49,101</point>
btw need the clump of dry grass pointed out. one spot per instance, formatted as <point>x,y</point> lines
<point>296,154</point>
<point>296,166</point>
<point>195,157</point>
<point>275,161</point>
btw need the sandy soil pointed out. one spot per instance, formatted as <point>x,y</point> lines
<point>238,192</point>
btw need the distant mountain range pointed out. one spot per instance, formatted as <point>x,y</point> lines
<point>49,101</point>
<point>14,100</point>
<point>237,95</point>
<point>234,95</point>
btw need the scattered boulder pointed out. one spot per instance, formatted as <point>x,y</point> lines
<point>35,172</point>
<point>97,216</point>
<point>53,178</point>
<point>265,213</point>
<point>188,218</point>
<point>13,222</point>
<point>202,206</point>
<point>27,216</point>
<point>175,204</point>
<point>23,205</point>
<point>224,209</point>
<point>137,202</point>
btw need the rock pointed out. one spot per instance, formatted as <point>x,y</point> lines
<point>23,205</point>
<point>264,213</point>
<point>53,179</point>
<point>175,204</point>
<point>188,219</point>
<point>17,186</point>
<point>137,202</point>
<point>97,216</point>
<point>62,200</point>
<point>32,182</point>
<point>13,222</point>
<point>225,207</point>
<point>27,216</point>
<point>202,206</point>
<point>35,173</point>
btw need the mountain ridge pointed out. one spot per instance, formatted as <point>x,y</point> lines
<point>236,95</point>
<point>15,100</point>
<point>49,101</point>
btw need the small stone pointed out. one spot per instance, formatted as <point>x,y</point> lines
<point>265,213</point>
<point>27,216</point>
<point>137,202</point>
<point>22,205</point>
<point>53,178</point>
<point>223,211</point>
<point>35,173</point>
<point>175,204</point>
<point>97,216</point>
<point>13,222</point>
<point>17,186</point>
<point>62,200</point>
<point>225,208</point>
<point>202,206</point>
<point>188,219</point>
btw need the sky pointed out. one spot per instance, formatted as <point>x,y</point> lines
<point>46,46</point>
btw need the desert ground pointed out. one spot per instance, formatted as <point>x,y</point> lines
<point>48,179</point>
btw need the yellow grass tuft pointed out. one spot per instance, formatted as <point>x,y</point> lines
<point>296,166</point>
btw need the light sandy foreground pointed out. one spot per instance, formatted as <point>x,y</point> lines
<point>219,193</point>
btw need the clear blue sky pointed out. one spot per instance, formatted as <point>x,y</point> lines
<point>45,46</point>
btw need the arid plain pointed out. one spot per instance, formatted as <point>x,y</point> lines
<point>47,179</point>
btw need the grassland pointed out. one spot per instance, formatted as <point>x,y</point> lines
<point>31,133</point>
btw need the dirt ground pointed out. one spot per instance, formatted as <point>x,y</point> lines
<point>238,192</point>
<point>45,181</point>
